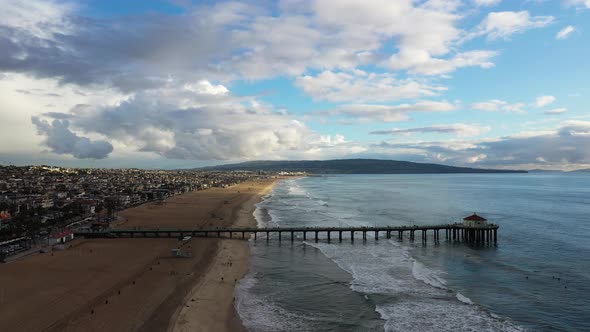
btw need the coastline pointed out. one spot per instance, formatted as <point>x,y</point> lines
<point>210,304</point>
<point>135,284</point>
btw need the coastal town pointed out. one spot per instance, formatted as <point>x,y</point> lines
<point>43,204</point>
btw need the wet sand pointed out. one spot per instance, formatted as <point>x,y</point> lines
<point>135,284</point>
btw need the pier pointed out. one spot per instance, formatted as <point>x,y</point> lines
<point>459,232</point>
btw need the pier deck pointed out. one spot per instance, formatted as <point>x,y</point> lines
<point>453,232</point>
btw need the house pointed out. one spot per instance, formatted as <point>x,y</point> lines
<point>88,206</point>
<point>474,221</point>
<point>61,237</point>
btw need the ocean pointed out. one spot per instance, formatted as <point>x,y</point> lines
<point>536,279</point>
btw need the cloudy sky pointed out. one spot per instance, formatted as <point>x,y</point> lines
<point>181,83</point>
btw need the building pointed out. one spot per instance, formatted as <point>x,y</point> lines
<point>61,237</point>
<point>88,206</point>
<point>474,221</point>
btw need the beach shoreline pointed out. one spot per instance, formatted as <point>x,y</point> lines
<point>136,284</point>
<point>210,304</point>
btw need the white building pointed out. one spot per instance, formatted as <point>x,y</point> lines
<point>474,221</point>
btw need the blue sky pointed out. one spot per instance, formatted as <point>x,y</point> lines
<point>179,83</point>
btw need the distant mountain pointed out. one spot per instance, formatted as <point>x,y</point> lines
<point>351,166</point>
<point>545,171</point>
<point>585,170</point>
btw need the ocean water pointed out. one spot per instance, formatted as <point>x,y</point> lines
<point>537,278</point>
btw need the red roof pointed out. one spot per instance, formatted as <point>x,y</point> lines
<point>61,234</point>
<point>474,217</point>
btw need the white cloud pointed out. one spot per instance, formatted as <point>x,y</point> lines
<point>205,87</point>
<point>556,111</point>
<point>496,105</point>
<point>486,3</point>
<point>159,86</point>
<point>420,62</point>
<point>502,25</point>
<point>24,97</point>
<point>389,113</point>
<point>542,101</point>
<point>565,32</point>
<point>584,3</point>
<point>227,41</point>
<point>567,146</point>
<point>39,18</point>
<point>202,122</point>
<point>458,129</point>
<point>359,86</point>
<point>61,140</point>
<point>343,34</point>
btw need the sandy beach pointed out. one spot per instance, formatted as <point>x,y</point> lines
<point>135,284</point>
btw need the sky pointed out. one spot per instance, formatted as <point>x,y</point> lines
<point>181,83</point>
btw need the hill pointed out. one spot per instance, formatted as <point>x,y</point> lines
<point>545,171</point>
<point>351,166</point>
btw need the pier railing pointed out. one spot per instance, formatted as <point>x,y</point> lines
<point>485,234</point>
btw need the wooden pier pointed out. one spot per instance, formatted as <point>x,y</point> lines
<point>477,235</point>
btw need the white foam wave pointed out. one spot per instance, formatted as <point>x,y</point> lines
<point>262,212</point>
<point>423,301</point>
<point>423,304</point>
<point>464,299</point>
<point>259,313</point>
<point>296,190</point>
<point>426,275</point>
<point>427,315</point>
<point>376,269</point>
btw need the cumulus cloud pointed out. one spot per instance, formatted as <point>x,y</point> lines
<point>486,3</point>
<point>193,122</point>
<point>496,105</point>
<point>61,140</point>
<point>168,74</point>
<point>568,145</point>
<point>230,40</point>
<point>389,113</point>
<point>502,25</point>
<point>580,3</point>
<point>205,87</point>
<point>41,19</point>
<point>542,101</point>
<point>360,86</point>
<point>556,111</point>
<point>458,129</point>
<point>418,61</point>
<point>565,32</point>
<point>137,53</point>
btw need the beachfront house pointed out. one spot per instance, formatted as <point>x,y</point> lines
<point>61,237</point>
<point>474,221</point>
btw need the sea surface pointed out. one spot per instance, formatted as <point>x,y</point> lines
<point>536,279</point>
